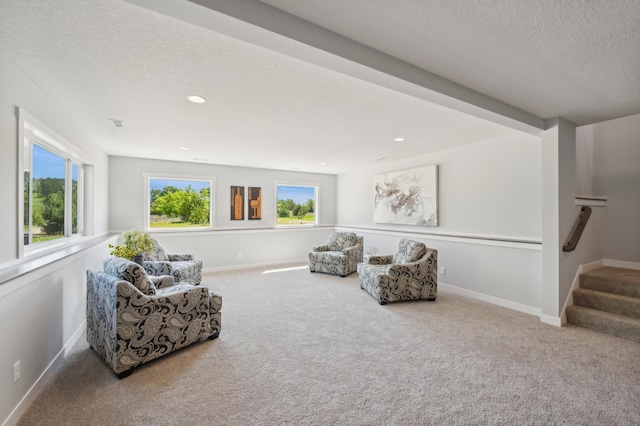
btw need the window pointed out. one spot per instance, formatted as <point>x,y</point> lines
<point>52,186</point>
<point>179,203</point>
<point>296,205</point>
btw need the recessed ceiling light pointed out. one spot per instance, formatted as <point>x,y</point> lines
<point>196,99</point>
<point>323,164</point>
<point>184,148</point>
<point>400,139</point>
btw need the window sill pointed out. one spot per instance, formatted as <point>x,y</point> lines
<point>40,257</point>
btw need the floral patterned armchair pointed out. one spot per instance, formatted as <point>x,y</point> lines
<point>133,318</point>
<point>180,265</point>
<point>411,273</point>
<point>339,256</point>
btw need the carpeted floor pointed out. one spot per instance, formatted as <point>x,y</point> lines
<point>300,348</point>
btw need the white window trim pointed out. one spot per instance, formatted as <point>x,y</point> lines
<point>172,176</point>
<point>52,141</point>
<point>317,187</point>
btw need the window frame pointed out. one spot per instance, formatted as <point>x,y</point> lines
<point>146,198</point>
<point>40,134</point>
<point>316,207</point>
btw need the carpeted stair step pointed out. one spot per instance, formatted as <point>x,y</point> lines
<point>604,322</point>
<point>625,282</point>
<point>609,302</point>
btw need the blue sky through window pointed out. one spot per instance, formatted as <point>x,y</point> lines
<point>299,194</point>
<point>197,185</point>
<point>47,164</point>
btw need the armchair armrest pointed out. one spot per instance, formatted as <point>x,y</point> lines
<point>322,247</point>
<point>104,293</point>
<point>421,267</point>
<point>180,291</point>
<point>378,259</point>
<point>162,281</point>
<point>179,257</point>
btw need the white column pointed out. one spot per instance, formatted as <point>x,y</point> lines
<point>558,214</point>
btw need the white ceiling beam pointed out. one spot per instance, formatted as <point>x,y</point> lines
<point>265,26</point>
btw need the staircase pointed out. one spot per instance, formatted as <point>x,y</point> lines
<point>608,301</point>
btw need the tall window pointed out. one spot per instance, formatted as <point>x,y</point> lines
<point>296,205</point>
<point>51,188</point>
<point>179,203</point>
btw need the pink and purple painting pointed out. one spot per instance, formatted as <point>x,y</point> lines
<point>408,197</point>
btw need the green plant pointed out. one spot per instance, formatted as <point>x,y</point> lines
<point>132,243</point>
<point>138,241</point>
<point>122,251</point>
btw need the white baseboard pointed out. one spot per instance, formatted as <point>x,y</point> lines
<point>254,265</point>
<point>593,265</point>
<point>548,319</point>
<point>622,264</point>
<point>491,299</point>
<point>47,374</point>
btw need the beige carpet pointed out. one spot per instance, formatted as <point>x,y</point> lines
<point>300,348</point>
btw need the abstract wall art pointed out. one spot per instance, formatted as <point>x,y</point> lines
<point>408,197</point>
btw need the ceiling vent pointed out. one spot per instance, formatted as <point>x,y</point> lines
<point>117,123</point>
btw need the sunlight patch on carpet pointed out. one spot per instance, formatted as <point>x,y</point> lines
<point>293,268</point>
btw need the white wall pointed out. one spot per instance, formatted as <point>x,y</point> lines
<point>616,175</point>
<point>41,310</point>
<point>489,195</point>
<point>488,188</point>
<point>43,313</point>
<point>231,243</point>
<point>584,161</point>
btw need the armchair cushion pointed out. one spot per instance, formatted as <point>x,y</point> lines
<point>160,254</point>
<point>409,251</point>
<point>340,240</point>
<point>157,253</point>
<point>130,271</point>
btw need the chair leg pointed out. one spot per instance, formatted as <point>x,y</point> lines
<point>124,374</point>
<point>382,302</point>
<point>214,336</point>
<point>431,299</point>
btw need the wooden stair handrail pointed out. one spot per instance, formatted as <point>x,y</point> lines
<point>577,230</point>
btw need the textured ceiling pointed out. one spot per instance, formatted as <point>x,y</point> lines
<point>267,108</point>
<point>577,59</point>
